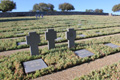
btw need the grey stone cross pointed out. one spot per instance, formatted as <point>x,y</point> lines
<point>50,35</point>
<point>33,39</point>
<point>71,35</point>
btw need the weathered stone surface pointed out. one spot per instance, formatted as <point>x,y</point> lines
<point>82,35</point>
<point>112,45</point>
<point>83,53</point>
<point>21,43</point>
<point>20,34</point>
<point>71,35</point>
<point>59,38</point>
<point>51,35</point>
<point>33,65</point>
<point>33,39</point>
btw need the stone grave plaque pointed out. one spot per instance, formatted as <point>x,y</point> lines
<point>98,32</point>
<point>82,35</point>
<point>79,24</point>
<point>21,43</point>
<point>20,34</point>
<point>83,53</point>
<point>59,38</point>
<point>33,65</point>
<point>112,45</point>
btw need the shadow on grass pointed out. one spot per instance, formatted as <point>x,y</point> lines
<point>20,19</point>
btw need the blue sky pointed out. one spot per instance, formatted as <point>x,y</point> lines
<point>80,5</point>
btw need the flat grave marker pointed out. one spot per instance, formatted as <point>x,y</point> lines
<point>82,35</point>
<point>33,65</point>
<point>21,43</point>
<point>33,39</point>
<point>51,35</point>
<point>79,24</point>
<point>59,38</point>
<point>112,45</point>
<point>20,34</point>
<point>98,32</point>
<point>83,53</point>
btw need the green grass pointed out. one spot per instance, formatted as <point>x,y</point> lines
<point>11,44</point>
<point>60,57</point>
<point>57,59</point>
<point>9,27</point>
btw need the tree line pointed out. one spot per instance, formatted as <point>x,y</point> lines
<point>8,5</point>
<point>50,7</point>
<point>96,10</point>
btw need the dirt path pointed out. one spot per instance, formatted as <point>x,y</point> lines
<point>77,71</point>
<point>6,53</point>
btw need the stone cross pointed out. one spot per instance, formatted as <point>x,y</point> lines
<point>71,35</point>
<point>42,15</point>
<point>33,39</point>
<point>36,16</point>
<point>39,15</point>
<point>50,35</point>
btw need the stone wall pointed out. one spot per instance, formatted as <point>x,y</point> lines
<point>17,14</point>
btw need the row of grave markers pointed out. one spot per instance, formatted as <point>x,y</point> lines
<point>38,15</point>
<point>33,39</point>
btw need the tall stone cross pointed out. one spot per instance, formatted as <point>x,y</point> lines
<point>33,39</point>
<point>71,35</point>
<point>50,35</point>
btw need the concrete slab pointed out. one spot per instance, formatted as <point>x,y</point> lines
<point>83,53</point>
<point>21,43</point>
<point>98,32</point>
<point>33,65</point>
<point>82,35</point>
<point>112,45</point>
<point>59,38</point>
<point>20,34</point>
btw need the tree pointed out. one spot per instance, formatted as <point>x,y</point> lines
<point>89,10</point>
<point>43,7</point>
<point>66,6</point>
<point>51,7</point>
<point>98,10</point>
<point>7,5</point>
<point>101,11</point>
<point>35,7</point>
<point>116,8</point>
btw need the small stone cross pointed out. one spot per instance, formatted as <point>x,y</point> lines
<point>33,39</point>
<point>50,35</point>
<point>71,35</point>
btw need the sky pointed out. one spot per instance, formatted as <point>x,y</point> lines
<point>79,5</point>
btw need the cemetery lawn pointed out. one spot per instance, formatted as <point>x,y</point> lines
<point>57,59</point>
<point>13,30</point>
<point>61,57</point>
